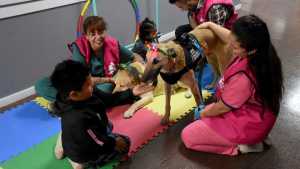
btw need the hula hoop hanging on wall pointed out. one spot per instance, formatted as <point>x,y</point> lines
<point>80,18</point>
<point>84,10</point>
<point>157,14</point>
<point>137,14</point>
<point>94,8</point>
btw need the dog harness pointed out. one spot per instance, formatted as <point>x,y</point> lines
<point>194,52</point>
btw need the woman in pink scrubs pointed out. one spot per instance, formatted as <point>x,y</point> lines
<point>248,94</point>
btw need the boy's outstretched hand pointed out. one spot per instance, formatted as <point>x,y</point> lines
<point>141,89</point>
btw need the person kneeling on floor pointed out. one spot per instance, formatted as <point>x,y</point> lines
<point>248,95</point>
<point>87,138</point>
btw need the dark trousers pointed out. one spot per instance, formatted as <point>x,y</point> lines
<point>113,155</point>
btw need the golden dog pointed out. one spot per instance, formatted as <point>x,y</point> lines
<point>129,76</point>
<point>166,64</point>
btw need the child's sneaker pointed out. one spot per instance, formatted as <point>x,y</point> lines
<point>255,148</point>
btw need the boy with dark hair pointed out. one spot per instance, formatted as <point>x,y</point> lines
<point>87,138</point>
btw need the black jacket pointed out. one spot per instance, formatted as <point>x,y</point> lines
<point>78,119</point>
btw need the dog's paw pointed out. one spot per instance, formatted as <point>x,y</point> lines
<point>210,86</point>
<point>188,94</point>
<point>128,114</point>
<point>165,121</point>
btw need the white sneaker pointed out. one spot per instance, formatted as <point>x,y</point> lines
<point>254,148</point>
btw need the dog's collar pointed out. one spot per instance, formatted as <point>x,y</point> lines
<point>194,48</point>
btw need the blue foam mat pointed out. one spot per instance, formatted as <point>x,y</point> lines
<point>23,127</point>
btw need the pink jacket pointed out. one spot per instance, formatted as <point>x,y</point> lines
<point>111,53</point>
<point>248,123</point>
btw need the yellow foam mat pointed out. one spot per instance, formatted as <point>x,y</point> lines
<point>179,104</point>
<point>42,102</point>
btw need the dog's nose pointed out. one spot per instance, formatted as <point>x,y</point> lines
<point>155,61</point>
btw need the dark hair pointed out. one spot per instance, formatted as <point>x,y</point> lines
<point>146,28</point>
<point>69,76</point>
<point>253,35</point>
<point>172,1</point>
<point>92,23</point>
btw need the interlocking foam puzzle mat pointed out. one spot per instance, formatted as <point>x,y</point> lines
<point>30,132</point>
<point>24,126</point>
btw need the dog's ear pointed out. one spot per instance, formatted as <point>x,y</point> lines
<point>134,72</point>
<point>139,66</point>
<point>163,50</point>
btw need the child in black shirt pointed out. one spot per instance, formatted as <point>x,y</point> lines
<point>87,137</point>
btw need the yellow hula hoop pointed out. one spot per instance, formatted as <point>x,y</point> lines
<point>84,9</point>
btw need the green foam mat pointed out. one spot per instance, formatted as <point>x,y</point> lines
<point>42,156</point>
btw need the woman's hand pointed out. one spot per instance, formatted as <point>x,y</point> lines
<point>220,31</point>
<point>204,25</point>
<point>141,89</point>
<point>215,109</point>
